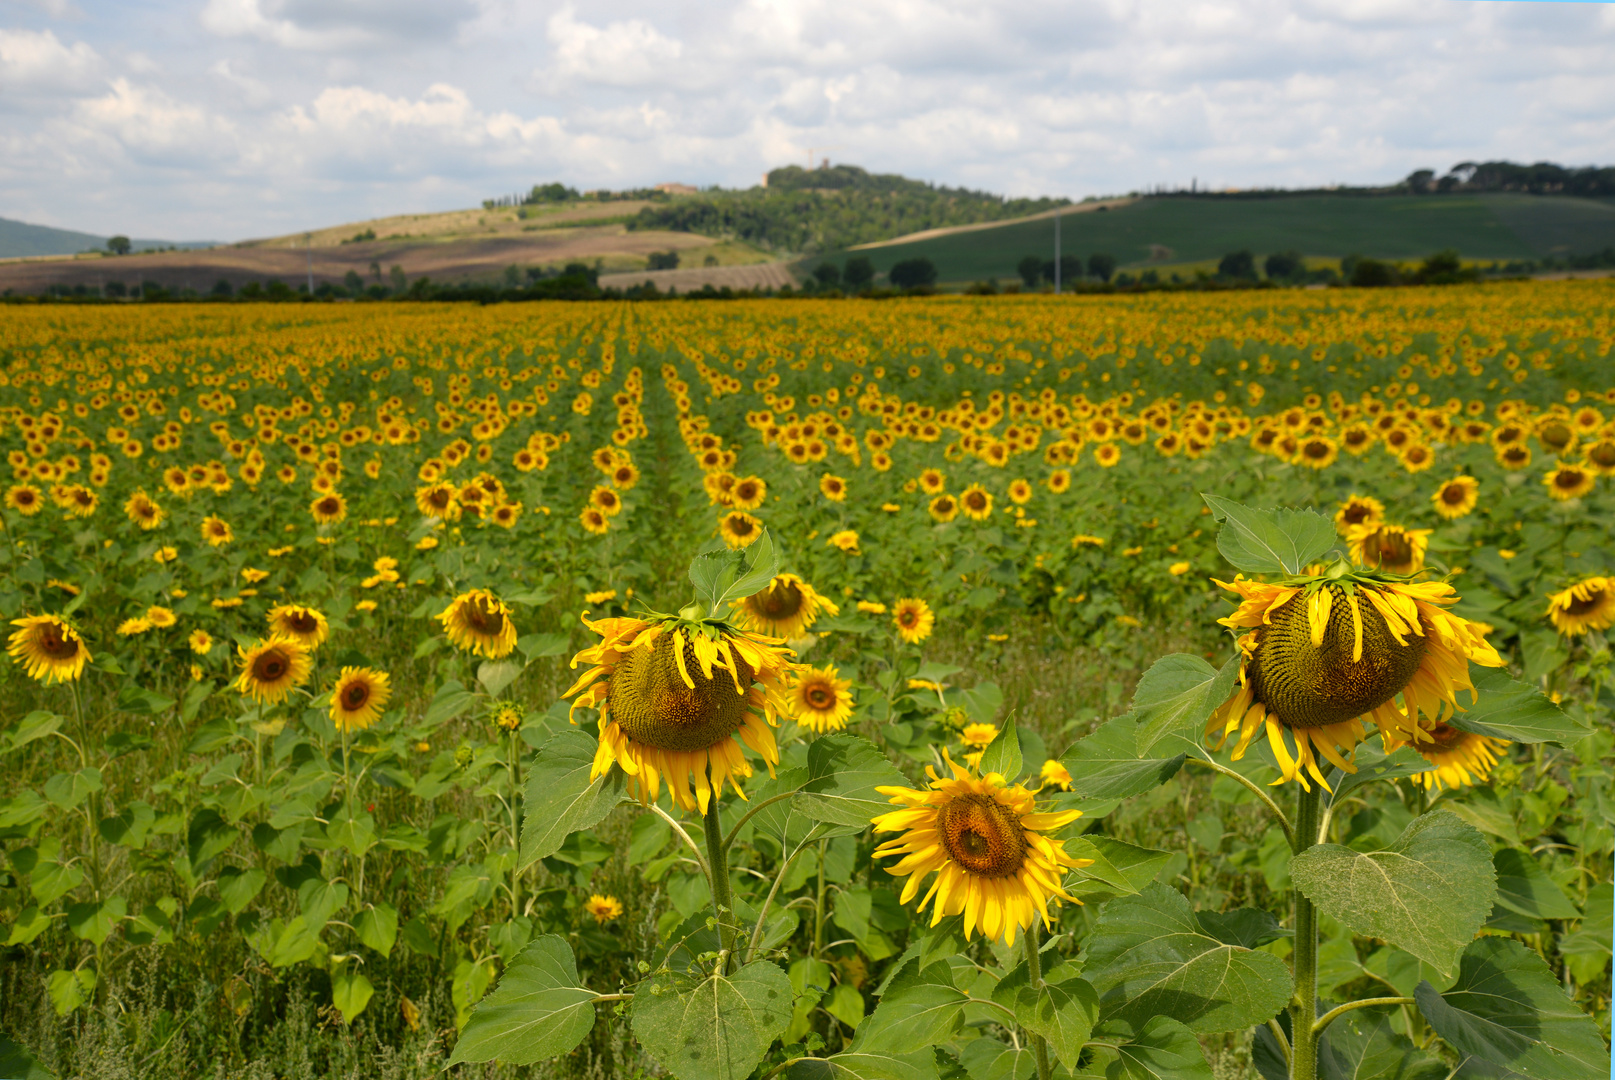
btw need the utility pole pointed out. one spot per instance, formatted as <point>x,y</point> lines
<point>1056,249</point>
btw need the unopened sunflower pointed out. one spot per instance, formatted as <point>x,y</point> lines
<point>479,622</point>
<point>821,699</point>
<point>787,607</point>
<point>986,843</point>
<point>674,694</point>
<point>1322,652</point>
<point>1586,606</point>
<point>49,648</point>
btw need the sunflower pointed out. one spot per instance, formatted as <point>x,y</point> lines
<point>329,509</point>
<point>603,908</point>
<point>216,532</point>
<point>305,625</point>
<point>625,476</point>
<point>606,500</point>
<point>201,642</point>
<point>1457,497</point>
<point>1107,454</point>
<point>787,607</point>
<point>1055,774</point>
<point>1316,452</point>
<point>594,521</point>
<point>978,736</point>
<point>1586,606</point>
<point>674,695</point>
<point>1358,510</point>
<point>1513,456</point>
<point>985,841</point>
<point>932,481</point>
<point>739,529</point>
<point>748,493</point>
<point>25,499</point>
<point>79,501</point>
<point>1569,482</point>
<point>144,511</point>
<point>1059,481</point>
<point>944,508</point>
<point>1390,548</point>
<point>438,501</point>
<point>358,698</point>
<point>160,617</point>
<point>134,627</point>
<point>48,647</point>
<point>1020,492</point>
<point>1417,457</point>
<point>271,669</point>
<point>480,623</point>
<point>977,503</point>
<point>913,619</point>
<point>845,541</point>
<point>820,699</point>
<point>1461,758</point>
<point>1322,652</point>
<point>833,487</point>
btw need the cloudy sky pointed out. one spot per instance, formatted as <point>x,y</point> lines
<point>226,119</point>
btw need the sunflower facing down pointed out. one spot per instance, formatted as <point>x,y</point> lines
<point>48,647</point>
<point>1321,654</point>
<point>984,839</point>
<point>674,695</point>
<point>1461,758</point>
<point>479,622</point>
<point>820,699</point>
<point>787,607</point>
<point>1586,606</point>
<point>272,669</point>
<point>359,697</point>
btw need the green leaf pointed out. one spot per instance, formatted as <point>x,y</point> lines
<point>1428,893</point>
<point>537,646</point>
<point>539,1010</point>
<point>1163,1049</point>
<point>191,703</point>
<point>70,989</point>
<point>16,1063</point>
<point>1506,1009</point>
<point>496,675</point>
<point>989,1059</point>
<point>1063,1011</point>
<point>1510,709</point>
<point>920,1007</point>
<point>1362,1045</point>
<point>95,922</point>
<point>1176,695</point>
<point>31,922</point>
<point>560,798</point>
<point>1526,889</point>
<point>843,773</point>
<point>1249,927</point>
<point>855,1063</point>
<point>68,790</point>
<point>36,725</point>
<point>716,1028</point>
<point>378,927</point>
<point>1148,956</point>
<point>1119,868</point>
<point>451,699</point>
<point>1270,541</point>
<point>1106,764</point>
<point>1003,754</point>
<point>350,991</point>
<point>1372,764</point>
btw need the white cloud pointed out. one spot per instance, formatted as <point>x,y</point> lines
<point>36,62</point>
<point>627,53</point>
<point>329,25</point>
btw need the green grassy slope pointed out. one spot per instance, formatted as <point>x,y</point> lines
<point>1390,227</point>
<point>19,239</point>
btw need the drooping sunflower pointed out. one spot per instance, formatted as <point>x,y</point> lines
<point>1457,497</point>
<point>820,699</point>
<point>977,503</point>
<point>1461,758</point>
<point>479,622</point>
<point>1586,606</point>
<point>913,619</point>
<point>49,648</point>
<point>674,695</point>
<point>1569,482</point>
<point>985,841</point>
<point>787,607</point>
<point>272,669</point>
<point>359,698</point>
<point>1358,510</point>
<point>1391,548</point>
<point>305,625</point>
<point>1322,652</point>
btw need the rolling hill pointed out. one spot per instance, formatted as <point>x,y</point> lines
<point>20,240</point>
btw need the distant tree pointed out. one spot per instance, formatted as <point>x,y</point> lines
<point>1285,266</point>
<point>710,260</point>
<point>252,291</point>
<point>557,192</point>
<point>375,269</point>
<point>1101,266</point>
<point>1442,264</point>
<point>1420,181</point>
<point>115,289</point>
<point>913,273</point>
<point>858,273</point>
<point>1031,270</point>
<point>353,281</point>
<point>119,245</point>
<point>513,276</point>
<point>398,279</point>
<point>223,289</point>
<point>1070,270</point>
<point>1237,266</point>
<point>827,276</point>
<point>664,260</point>
<point>278,290</point>
<point>1371,273</point>
<point>1149,277</point>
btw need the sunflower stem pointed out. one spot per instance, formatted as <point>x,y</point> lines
<point>1304,1031</point>
<point>718,861</point>
<point>1034,977</point>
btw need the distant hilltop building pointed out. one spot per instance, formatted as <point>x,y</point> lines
<point>679,189</point>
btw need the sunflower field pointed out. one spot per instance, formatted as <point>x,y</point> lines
<point>1186,685</point>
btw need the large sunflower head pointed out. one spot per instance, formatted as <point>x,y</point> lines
<point>787,607</point>
<point>272,669</point>
<point>359,697</point>
<point>674,694</point>
<point>1320,653</point>
<point>1586,606</point>
<point>305,625</point>
<point>479,622</point>
<point>48,647</point>
<point>1391,548</point>
<point>986,843</point>
<point>821,699</point>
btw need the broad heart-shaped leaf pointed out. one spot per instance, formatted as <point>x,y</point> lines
<point>856,1063</point>
<point>920,1007</point>
<point>1003,754</point>
<point>1063,1011</point>
<point>1148,956</point>
<point>1163,1049</point>
<point>989,1059</point>
<point>1362,1045</point>
<point>1119,868</point>
<point>1427,893</point>
<point>351,991</point>
<point>1106,764</point>
<point>1524,888</point>
<point>560,799</point>
<point>1372,764</point>
<point>1510,709</point>
<point>717,1028</point>
<point>1270,541</point>
<point>1250,927</point>
<point>1176,695</point>
<point>16,1063</point>
<point>843,773</point>
<point>539,1010</point>
<point>1506,1009</point>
